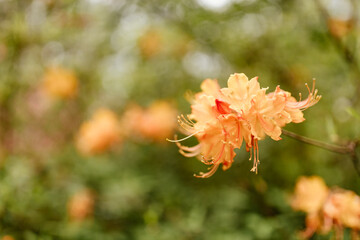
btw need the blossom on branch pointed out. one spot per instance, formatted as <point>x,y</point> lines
<point>223,118</point>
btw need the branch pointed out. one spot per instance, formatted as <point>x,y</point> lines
<point>347,149</point>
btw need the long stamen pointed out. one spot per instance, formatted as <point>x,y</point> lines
<point>313,86</point>
<point>185,125</point>
<point>206,161</point>
<point>250,150</point>
<point>257,149</point>
<point>188,149</point>
<point>208,174</point>
<point>256,161</point>
<point>187,120</point>
<point>190,154</point>
<point>191,121</point>
<point>307,86</point>
<point>308,102</point>
<point>176,140</point>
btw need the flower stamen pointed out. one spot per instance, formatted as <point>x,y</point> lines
<point>180,140</point>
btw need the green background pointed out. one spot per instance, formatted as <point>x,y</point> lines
<point>147,190</point>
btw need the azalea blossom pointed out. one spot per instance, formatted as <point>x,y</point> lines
<point>99,133</point>
<point>326,209</point>
<point>223,118</point>
<point>342,208</point>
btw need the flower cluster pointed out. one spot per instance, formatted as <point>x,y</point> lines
<point>223,118</point>
<point>105,128</point>
<point>326,209</point>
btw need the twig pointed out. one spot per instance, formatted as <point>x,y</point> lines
<point>348,149</point>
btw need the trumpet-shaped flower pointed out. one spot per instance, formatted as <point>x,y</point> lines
<point>223,118</point>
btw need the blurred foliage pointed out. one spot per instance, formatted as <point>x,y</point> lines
<point>124,52</point>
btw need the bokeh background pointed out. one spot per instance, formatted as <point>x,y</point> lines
<point>90,89</point>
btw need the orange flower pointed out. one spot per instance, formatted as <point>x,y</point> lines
<point>222,119</point>
<point>310,194</point>
<point>313,223</point>
<point>98,134</point>
<point>132,118</point>
<point>7,237</point>
<point>340,28</point>
<point>342,208</point>
<point>60,83</point>
<point>156,123</point>
<point>150,43</point>
<point>326,210</point>
<point>159,41</point>
<point>81,205</point>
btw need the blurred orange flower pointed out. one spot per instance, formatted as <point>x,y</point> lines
<point>81,205</point>
<point>222,118</point>
<point>313,223</point>
<point>326,209</point>
<point>156,123</point>
<point>60,83</point>
<point>160,41</point>
<point>310,194</point>
<point>150,43</point>
<point>99,133</point>
<point>7,237</point>
<point>340,28</point>
<point>342,207</point>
